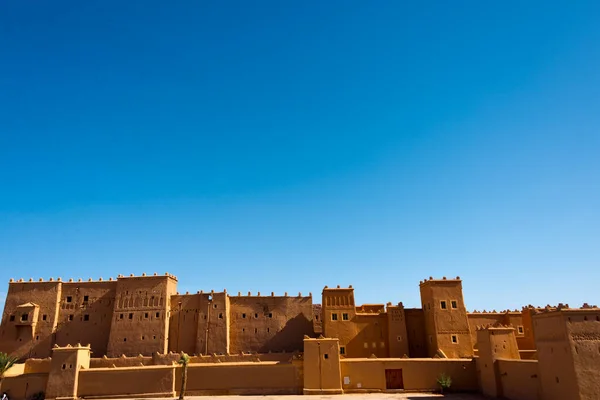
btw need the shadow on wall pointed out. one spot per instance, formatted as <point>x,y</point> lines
<point>295,328</point>
<point>370,339</point>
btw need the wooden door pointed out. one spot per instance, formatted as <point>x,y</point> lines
<point>393,379</point>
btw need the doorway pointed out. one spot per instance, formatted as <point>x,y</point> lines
<point>393,379</point>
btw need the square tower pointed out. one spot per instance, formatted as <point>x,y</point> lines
<point>446,322</point>
<point>568,351</point>
<point>65,365</point>
<point>30,318</point>
<point>140,323</point>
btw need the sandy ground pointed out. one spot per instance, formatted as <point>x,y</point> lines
<point>370,396</point>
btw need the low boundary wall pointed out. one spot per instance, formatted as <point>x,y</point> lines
<point>367,374</point>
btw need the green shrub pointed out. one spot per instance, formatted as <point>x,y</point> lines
<point>444,381</point>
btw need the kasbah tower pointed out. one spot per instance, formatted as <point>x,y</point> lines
<point>145,316</point>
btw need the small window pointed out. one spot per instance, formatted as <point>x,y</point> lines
<point>334,316</point>
<point>24,317</point>
<point>345,316</point>
<point>130,315</point>
<point>157,315</point>
<point>255,330</point>
<point>44,317</point>
<point>256,315</point>
<point>454,304</point>
<point>220,315</point>
<point>270,315</point>
<point>12,318</point>
<point>326,356</point>
<point>154,337</point>
<point>143,337</point>
<point>214,306</point>
<point>69,299</point>
<point>243,329</point>
<point>268,330</point>
<point>37,338</point>
<point>86,298</point>
<point>454,339</point>
<point>399,338</point>
<point>70,317</point>
<point>146,315</point>
<point>316,317</point>
<point>520,329</point>
<point>430,339</point>
<point>443,305</point>
<point>120,316</point>
<point>64,366</point>
<point>243,315</point>
<point>124,339</point>
<point>86,317</point>
<point>428,306</point>
<point>342,350</point>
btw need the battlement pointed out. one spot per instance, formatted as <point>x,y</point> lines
<point>443,280</point>
<point>100,279</point>
<point>339,288</point>
<point>494,327</point>
<point>503,312</point>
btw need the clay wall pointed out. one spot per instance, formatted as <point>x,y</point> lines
<point>65,365</point>
<point>241,378</point>
<point>213,325</point>
<point>186,310</point>
<point>120,362</point>
<point>134,381</point>
<point>141,315</point>
<point>527,341</point>
<point>317,319</point>
<point>85,314</point>
<point>199,323</point>
<point>556,368</point>
<point>422,374</point>
<point>583,329</point>
<point>269,323</point>
<point>37,366</point>
<point>360,334</point>
<point>397,335</point>
<point>23,387</point>
<point>506,318</point>
<point>519,379</point>
<point>36,338</point>
<point>322,372</point>
<point>446,323</point>
<point>415,331</point>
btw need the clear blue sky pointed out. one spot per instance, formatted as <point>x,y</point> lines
<point>284,146</point>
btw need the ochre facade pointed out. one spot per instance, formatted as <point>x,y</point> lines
<point>145,315</point>
<point>133,329</point>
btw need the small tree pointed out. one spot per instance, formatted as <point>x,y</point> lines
<point>444,381</point>
<point>184,360</point>
<point>6,361</point>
